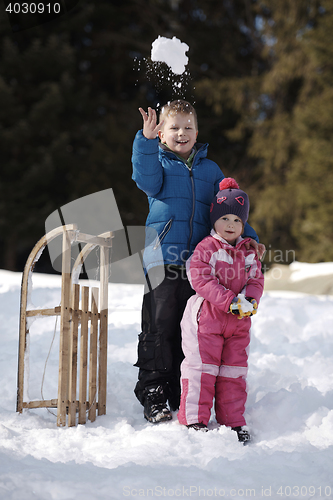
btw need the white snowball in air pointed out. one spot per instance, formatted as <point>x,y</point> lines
<point>172,52</point>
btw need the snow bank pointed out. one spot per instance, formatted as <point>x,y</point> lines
<point>289,411</point>
<point>303,270</point>
<point>301,277</point>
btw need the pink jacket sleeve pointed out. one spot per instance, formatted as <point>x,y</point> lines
<point>255,283</point>
<point>204,281</point>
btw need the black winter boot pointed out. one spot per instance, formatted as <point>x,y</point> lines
<point>155,407</point>
<point>243,434</point>
<point>172,395</point>
<point>199,426</point>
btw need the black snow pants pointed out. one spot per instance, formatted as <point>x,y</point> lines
<point>159,349</point>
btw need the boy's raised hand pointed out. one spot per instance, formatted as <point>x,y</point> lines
<point>259,248</point>
<point>150,126</point>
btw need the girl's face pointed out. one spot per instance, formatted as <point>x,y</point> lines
<point>179,133</point>
<point>229,227</point>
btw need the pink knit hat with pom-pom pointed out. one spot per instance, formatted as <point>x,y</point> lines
<point>229,200</point>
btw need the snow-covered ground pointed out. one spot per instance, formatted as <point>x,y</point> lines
<point>120,455</point>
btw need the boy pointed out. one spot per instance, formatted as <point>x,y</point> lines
<point>216,325</point>
<point>180,183</point>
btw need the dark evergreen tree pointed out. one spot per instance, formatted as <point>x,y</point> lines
<point>71,89</point>
<point>283,122</point>
<point>312,174</point>
<point>259,75</point>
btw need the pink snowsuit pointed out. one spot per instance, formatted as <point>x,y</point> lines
<point>215,341</point>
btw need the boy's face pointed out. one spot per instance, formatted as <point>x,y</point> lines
<point>229,227</point>
<point>179,133</point>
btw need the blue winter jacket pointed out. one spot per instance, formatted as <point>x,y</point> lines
<point>179,199</point>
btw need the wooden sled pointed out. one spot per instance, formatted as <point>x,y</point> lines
<point>91,370</point>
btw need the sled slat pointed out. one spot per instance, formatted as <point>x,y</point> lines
<point>64,332</point>
<point>56,311</point>
<point>83,356</point>
<point>93,355</point>
<point>103,334</point>
<point>50,403</point>
<point>94,240</point>
<point>73,356</point>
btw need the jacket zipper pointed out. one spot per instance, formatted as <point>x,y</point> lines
<point>193,207</point>
<point>162,235</point>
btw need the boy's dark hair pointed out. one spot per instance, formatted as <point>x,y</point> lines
<point>178,106</point>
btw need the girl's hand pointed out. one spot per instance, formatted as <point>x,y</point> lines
<point>150,127</point>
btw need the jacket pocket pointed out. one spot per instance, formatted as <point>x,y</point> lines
<point>150,352</point>
<point>163,233</point>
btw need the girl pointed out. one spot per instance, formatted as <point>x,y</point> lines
<point>216,323</point>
